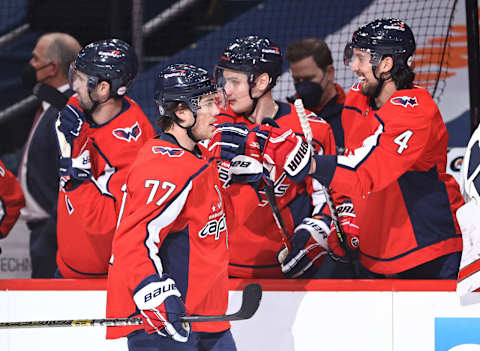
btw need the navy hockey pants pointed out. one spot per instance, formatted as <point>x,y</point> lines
<point>198,341</point>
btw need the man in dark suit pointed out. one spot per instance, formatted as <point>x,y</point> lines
<point>38,170</point>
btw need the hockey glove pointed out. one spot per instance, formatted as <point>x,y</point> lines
<point>348,223</point>
<point>245,169</point>
<point>228,141</point>
<point>161,307</point>
<point>308,247</point>
<point>71,122</point>
<point>286,150</point>
<point>73,171</point>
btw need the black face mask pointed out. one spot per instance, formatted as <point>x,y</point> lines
<point>310,92</point>
<point>29,75</point>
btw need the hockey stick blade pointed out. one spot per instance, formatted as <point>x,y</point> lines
<point>251,296</point>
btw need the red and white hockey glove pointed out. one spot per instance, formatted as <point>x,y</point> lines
<point>347,220</point>
<point>161,307</point>
<point>308,247</point>
<point>286,150</point>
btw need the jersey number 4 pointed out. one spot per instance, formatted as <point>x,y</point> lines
<point>402,140</point>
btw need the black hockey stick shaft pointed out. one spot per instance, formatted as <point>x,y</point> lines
<point>272,200</point>
<point>277,216</point>
<point>251,297</point>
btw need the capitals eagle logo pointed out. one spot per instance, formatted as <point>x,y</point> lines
<point>169,151</point>
<point>404,101</point>
<point>128,133</point>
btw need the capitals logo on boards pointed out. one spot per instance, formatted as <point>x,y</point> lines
<point>169,151</point>
<point>404,101</point>
<point>128,133</point>
<point>459,334</point>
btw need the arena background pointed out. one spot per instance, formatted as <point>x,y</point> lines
<point>196,31</point>
<point>303,316</point>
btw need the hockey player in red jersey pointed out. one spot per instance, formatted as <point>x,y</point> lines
<point>170,252</point>
<point>11,200</point>
<point>104,129</point>
<point>247,71</point>
<point>403,220</point>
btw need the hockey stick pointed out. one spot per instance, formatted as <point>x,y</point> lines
<point>272,201</point>
<point>307,131</point>
<point>251,296</point>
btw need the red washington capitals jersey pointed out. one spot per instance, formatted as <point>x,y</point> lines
<point>11,200</point>
<point>255,237</point>
<point>87,214</point>
<point>174,222</point>
<point>394,171</point>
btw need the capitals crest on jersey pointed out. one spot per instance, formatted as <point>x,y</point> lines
<point>128,133</point>
<point>169,151</point>
<point>404,101</point>
<point>217,220</point>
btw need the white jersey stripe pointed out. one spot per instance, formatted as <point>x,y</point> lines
<point>354,160</point>
<point>168,215</point>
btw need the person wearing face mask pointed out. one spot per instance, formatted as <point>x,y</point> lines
<point>401,218</point>
<point>247,71</point>
<point>38,168</point>
<point>104,129</point>
<point>313,75</point>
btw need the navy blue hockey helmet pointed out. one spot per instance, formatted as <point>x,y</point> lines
<point>383,37</point>
<point>182,83</point>
<point>252,55</point>
<point>111,60</point>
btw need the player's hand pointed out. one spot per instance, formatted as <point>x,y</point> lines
<point>161,307</point>
<point>286,150</point>
<point>347,220</point>
<point>308,247</point>
<point>228,141</point>
<point>78,168</point>
<point>71,122</point>
<point>245,169</point>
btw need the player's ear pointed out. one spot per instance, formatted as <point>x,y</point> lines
<point>180,111</point>
<point>262,81</point>
<point>103,90</point>
<point>184,114</point>
<point>386,64</point>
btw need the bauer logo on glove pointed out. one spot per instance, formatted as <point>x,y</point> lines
<point>297,159</point>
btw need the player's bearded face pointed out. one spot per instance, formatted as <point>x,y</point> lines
<point>206,117</point>
<point>237,91</point>
<point>363,68</point>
